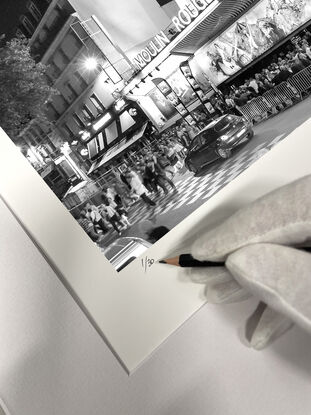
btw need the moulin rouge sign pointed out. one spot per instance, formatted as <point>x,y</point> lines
<point>185,16</point>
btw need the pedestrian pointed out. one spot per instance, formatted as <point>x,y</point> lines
<point>121,210</point>
<point>165,163</point>
<point>149,180</point>
<point>297,66</point>
<point>87,226</point>
<point>254,85</point>
<point>94,215</point>
<point>111,214</point>
<point>138,187</point>
<point>151,176</point>
<point>282,76</point>
<point>161,177</point>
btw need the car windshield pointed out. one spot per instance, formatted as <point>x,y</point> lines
<point>197,142</point>
<point>211,132</point>
<point>223,122</point>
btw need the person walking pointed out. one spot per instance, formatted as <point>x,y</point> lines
<point>111,215</point>
<point>161,174</point>
<point>88,226</point>
<point>138,187</point>
<point>95,217</point>
<point>152,176</point>
<point>121,210</point>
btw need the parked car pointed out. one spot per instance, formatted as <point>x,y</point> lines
<point>125,250</point>
<point>217,140</point>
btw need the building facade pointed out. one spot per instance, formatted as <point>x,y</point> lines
<point>78,70</point>
<point>86,47</point>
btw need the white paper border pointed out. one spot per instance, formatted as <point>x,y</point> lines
<point>135,311</point>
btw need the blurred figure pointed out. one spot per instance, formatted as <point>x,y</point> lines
<point>138,187</point>
<point>87,226</point>
<point>93,214</point>
<point>111,214</point>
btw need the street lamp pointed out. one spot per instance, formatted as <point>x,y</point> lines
<point>90,63</point>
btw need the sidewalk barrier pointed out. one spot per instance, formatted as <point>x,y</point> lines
<point>278,98</point>
<point>273,100</point>
<point>301,81</point>
<point>256,110</point>
<point>287,93</point>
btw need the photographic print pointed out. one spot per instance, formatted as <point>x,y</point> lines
<point>164,87</point>
<point>162,103</point>
<point>181,87</point>
<point>126,179</point>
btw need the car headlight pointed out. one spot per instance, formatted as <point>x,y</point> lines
<point>223,138</point>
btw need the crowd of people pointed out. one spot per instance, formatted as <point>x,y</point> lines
<point>148,175</point>
<point>295,57</point>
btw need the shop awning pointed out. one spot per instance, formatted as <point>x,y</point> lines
<point>220,19</point>
<point>118,149</point>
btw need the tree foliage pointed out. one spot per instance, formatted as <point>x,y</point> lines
<point>24,89</point>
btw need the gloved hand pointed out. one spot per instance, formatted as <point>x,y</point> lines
<point>261,247</point>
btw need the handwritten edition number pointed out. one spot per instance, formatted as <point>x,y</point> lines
<point>147,263</point>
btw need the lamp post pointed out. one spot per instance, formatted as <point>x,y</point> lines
<point>91,63</point>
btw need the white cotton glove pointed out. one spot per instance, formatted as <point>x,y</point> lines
<point>253,243</point>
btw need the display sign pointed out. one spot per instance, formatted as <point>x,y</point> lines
<point>163,104</point>
<point>257,31</point>
<point>181,87</point>
<point>184,18</point>
<point>198,91</point>
<point>167,91</point>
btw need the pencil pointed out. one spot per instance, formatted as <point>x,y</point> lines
<point>187,260</point>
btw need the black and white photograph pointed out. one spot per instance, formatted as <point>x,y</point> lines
<point>127,168</point>
<point>267,24</point>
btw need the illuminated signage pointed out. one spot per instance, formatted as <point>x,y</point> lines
<point>102,121</point>
<point>184,18</point>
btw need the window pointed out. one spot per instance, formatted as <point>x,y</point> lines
<point>87,113</point>
<point>111,132</point>
<point>27,25</point>
<point>51,107</point>
<point>54,70</point>
<point>68,131</point>
<point>81,80</point>
<point>65,102</point>
<point>78,120</point>
<point>34,11</point>
<point>65,58</point>
<point>92,148</point>
<point>97,103</point>
<point>72,93</point>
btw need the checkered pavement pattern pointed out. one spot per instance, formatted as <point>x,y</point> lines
<point>192,189</point>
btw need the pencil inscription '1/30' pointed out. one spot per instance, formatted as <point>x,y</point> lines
<point>147,263</point>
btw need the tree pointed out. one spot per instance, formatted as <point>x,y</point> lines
<point>24,89</point>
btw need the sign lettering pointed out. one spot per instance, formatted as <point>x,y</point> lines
<point>183,19</point>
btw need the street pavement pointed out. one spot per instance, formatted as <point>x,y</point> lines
<point>193,191</point>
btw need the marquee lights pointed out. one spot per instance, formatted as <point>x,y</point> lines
<point>102,121</point>
<point>119,105</point>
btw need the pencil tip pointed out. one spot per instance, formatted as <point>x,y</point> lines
<point>162,262</point>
